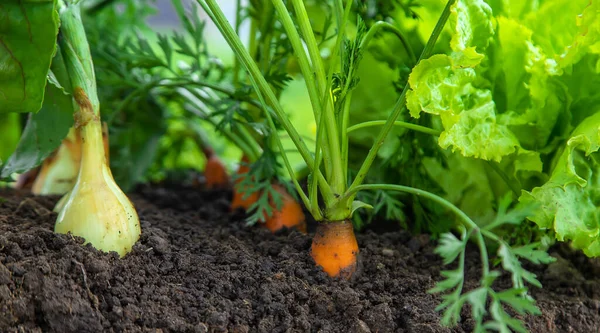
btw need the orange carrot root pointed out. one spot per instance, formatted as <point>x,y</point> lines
<point>334,248</point>
<point>290,215</point>
<point>215,173</point>
<point>239,200</point>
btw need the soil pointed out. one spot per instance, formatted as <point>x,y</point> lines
<point>199,268</point>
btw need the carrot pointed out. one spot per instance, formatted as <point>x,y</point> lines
<point>239,200</point>
<point>214,171</point>
<point>290,214</point>
<point>334,248</point>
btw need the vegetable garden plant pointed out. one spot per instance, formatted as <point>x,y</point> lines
<point>473,121</point>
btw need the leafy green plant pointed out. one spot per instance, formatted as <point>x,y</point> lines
<point>480,113</point>
<point>479,117</point>
<point>59,59</point>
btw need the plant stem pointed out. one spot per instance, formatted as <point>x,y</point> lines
<point>467,221</point>
<point>421,193</point>
<point>320,129</point>
<point>410,126</point>
<point>345,131</point>
<point>514,188</point>
<point>401,104</point>
<point>266,35</point>
<point>305,68</point>
<point>238,23</point>
<point>315,212</point>
<point>335,178</point>
<point>346,95</point>
<point>261,85</point>
<point>76,53</point>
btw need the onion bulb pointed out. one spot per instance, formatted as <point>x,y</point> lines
<point>96,208</point>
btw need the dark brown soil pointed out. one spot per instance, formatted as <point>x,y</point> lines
<point>198,268</point>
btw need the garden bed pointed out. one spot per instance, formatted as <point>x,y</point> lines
<point>198,268</point>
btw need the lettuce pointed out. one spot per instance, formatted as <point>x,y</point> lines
<point>518,85</point>
<point>570,200</point>
<point>566,30</point>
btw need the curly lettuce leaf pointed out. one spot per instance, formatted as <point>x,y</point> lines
<point>583,84</point>
<point>471,22</point>
<point>570,200</point>
<point>444,86</point>
<point>28,30</point>
<point>566,30</point>
<point>532,104</point>
<point>516,9</point>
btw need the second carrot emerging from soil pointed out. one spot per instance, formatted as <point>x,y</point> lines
<point>214,171</point>
<point>290,214</point>
<point>240,198</point>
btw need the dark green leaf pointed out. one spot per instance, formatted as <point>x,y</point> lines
<point>43,133</point>
<point>477,298</point>
<point>28,32</point>
<point>511,263</point>
<point>533,254</point>
<point>449,247</point>
<point>522,304</point>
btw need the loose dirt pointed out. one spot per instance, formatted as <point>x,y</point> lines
<point>199,268</point>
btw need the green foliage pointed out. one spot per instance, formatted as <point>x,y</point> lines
<point>28,31</point>
<point>259,179</point>
<point>487,303</point>
<point>10,131</point>
<point>512,90</point>
<point>142,92</point>
<point>569,200</point>
<point>44,130</point>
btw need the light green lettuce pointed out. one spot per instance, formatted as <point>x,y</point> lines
<point>566,30</point>
<point>570,200</point>
<point>449,86</point>
<point>530,101</point>
<point>471,24</point>
<point>444,85</point>
<point>516,9</point>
